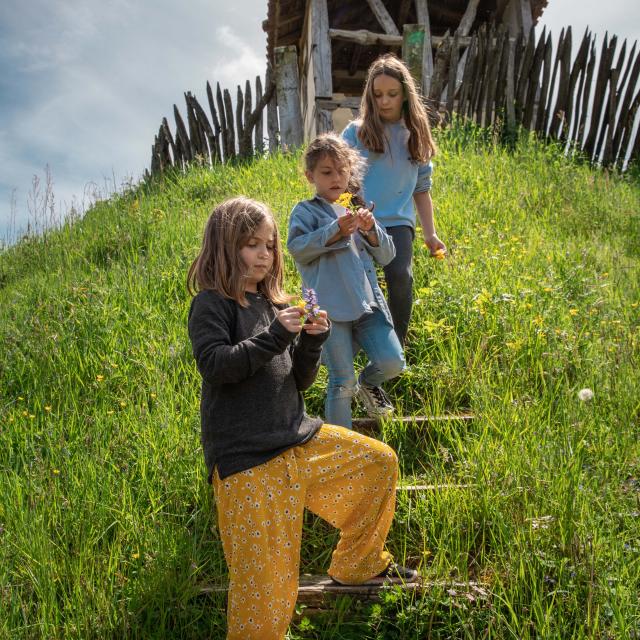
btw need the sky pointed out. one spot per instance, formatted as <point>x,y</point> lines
<point>84,84</point>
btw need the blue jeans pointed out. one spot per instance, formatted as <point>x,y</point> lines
<point>375,334</point>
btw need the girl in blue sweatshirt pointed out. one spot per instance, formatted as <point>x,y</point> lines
<point>394,137</point>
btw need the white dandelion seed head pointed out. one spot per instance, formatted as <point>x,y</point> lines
<point>584,395</point>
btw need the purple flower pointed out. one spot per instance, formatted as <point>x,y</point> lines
<point>311,306</point>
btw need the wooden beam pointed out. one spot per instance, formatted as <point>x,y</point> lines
<point>338,103</point>
<point>468,18</point>
<point>288,95</point>
<point>413,50</point>
<point>383,17</point>
<point>364,37</point>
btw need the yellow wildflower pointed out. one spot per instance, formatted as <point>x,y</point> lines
<point>47,408</point>
<point>56,472</point>
<point>99,378</point>
<point>573,312</point>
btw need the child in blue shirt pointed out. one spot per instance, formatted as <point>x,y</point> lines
<point>394,138</point>
<point>335,249</point>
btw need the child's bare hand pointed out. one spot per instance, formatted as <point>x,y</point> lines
<point>348,224</point>
<point>291,318</point>
<point>437,248</point>
<point>366,219</point>
<point>317,324</point>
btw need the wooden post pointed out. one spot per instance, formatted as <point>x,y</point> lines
<point>510,90</point>
<point>258,139</point>
<point>413,51</point>
<point>320,49</point>
<point>518,17</point>
<point>272,114</point>
<point>422,12</point>
<point>287,88</point>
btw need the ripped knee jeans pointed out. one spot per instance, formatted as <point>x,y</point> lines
<point>373,333</point>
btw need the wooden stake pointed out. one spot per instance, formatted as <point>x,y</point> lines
<point>287,87</point>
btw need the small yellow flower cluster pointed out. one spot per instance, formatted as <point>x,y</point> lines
<point>346,200</point>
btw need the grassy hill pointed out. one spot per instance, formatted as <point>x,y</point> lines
<point>107,525</point>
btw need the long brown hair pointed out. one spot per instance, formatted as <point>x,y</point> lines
<point>422,146</point>
<point>219,266</point>
<point>333,146</point>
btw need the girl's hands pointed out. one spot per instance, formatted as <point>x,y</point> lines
<point>348,225</point>
<point>436,247</point>
<point>366,219</point>
<point>317,325</point>
<point>291,318</point>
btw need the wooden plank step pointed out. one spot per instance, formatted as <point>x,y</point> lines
<point>373,424</point>
<point>432,487</point>
<point>318,592</point>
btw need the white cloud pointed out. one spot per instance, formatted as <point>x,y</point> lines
<point>236,61</point>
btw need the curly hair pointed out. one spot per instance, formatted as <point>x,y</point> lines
<point>333,146</point>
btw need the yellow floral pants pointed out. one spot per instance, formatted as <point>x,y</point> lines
<point>340,475</point>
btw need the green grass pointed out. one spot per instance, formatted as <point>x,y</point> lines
<point>107,525</point>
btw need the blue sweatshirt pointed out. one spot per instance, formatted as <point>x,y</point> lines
<point>391,178</point>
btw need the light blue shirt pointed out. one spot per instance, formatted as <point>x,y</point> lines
<point>336,272</point>
<point>391,178</point>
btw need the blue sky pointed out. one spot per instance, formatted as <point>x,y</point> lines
<point>85,84</point>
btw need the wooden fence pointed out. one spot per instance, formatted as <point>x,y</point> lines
<point>589,103</point>
<point>226,135</point>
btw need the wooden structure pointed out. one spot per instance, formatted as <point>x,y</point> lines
<point>337,40</point>
<point>480,59</point>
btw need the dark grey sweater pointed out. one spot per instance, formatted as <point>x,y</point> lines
<point>253,372</point>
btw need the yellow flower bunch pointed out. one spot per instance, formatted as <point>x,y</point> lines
<point>346,200</point>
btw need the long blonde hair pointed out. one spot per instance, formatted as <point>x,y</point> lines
<point>422,146</point>
<point>219,266</point>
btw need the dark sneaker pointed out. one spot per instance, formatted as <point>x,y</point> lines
<point>397,574</point>
<point>374,399</point>
<point>393,574</point>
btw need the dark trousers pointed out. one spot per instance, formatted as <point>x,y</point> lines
<point>399,277</point>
